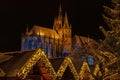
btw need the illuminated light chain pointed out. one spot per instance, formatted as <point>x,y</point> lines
<point>73,70</point>
<point>67,62</point>
<point>39,54</point>
<point>62,68</point>
<point>112,12</point>
<point>106,71</point>
<point>48,65</point>
<point>29,64</point>
<point>97,69</point>
<point>83,69</point>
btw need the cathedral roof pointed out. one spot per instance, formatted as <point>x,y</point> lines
<point>84,47</point>
<point>44,31</point>
<point>80,40</point>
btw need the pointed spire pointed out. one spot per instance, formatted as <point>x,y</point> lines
<point>60,9</point>
<point>58,21</point>
<point>60,13</point>
<point>55,23</point>
<point>66,24</point>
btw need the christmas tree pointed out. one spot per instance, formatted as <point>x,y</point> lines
<point>111,43</point>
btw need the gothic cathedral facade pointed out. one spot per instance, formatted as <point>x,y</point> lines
<point>56,42</point>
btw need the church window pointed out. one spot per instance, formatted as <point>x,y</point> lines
<point>90,60</point>
<point>30,43</point>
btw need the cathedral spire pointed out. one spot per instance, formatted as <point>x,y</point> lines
<point>55,23</point>
<point>60,9</point>
<point>60,14</point>
<point>58,21</point>
<point>66,24</point>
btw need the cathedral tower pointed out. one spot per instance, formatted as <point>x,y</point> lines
<point>61,25</point>
<point>55,42</point>
<point>63,28</point>
<point>67,37</point>
<point>58,21</point>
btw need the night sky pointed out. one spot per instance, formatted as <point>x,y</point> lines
<point>84,16</point>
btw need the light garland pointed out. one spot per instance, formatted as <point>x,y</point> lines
<point>48,65</point>
<point>84,68</point>
<point>73,70</point>
<point>29,64</point>
<point>67,62</point>
<point>40,55</point>
<point>97,69</point>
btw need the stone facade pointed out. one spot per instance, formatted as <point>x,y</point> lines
<point>56,42</point>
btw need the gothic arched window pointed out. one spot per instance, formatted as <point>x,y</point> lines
<point>38,42</point>
<point>90,60</point>
<point>30,43</point>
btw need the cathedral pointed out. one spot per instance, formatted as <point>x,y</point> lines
<point>53,54</point>
<point>56,42</point>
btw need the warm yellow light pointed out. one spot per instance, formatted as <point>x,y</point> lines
<point>41,33</point>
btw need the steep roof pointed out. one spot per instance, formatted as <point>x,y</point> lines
<point>22,62</point>
<point>44,31</point>
<point>14,61</point>
<point>84,41</point>
<point>4,58</point>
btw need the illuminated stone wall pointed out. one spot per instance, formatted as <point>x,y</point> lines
<point>56,42</point>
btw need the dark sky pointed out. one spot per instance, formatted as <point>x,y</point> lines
<point>15,15</point>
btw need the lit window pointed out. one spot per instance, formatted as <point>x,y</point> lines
<point>90,60</point>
